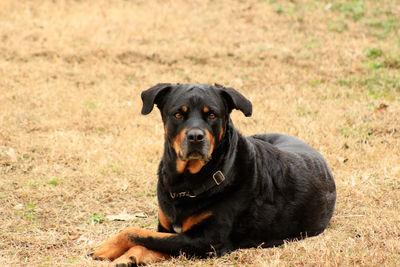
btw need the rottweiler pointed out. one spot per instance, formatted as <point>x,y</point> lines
<point>218,190</point>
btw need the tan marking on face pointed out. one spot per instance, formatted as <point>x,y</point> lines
<point>221,134</point>
<point>184,108</point>
<point>206,109</point>
<point>166,130</point>
<point>180,165</point>
<point>194,219</point>
<point>165,221</point>
<point>210,137</point>
<point>177,143</point>
<point>195,165</point>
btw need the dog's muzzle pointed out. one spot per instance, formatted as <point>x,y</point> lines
<point>195,145</point>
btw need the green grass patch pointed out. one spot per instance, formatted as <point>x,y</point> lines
<point>353,9</point>
<point>112,169</point>
<point>338,25</point>
<point>72,260</point>
<point>374,53</point>
<point>91,104</point>
<point>25,157</point>
<point>52,182</point>
<point>392,61</point>
<point>374,58</point>
<point>314,43</point>
<point>388,24</point>
<point>294,10</point>
<point>280,10</point>
<point>95,218</point>
<point>377,58</point>
<point>315,83</point>
<point>355,131</point>
<point>376,84</point>
<point>100,130</point>
<point>131,79</point>
<point>301,111</point>
<point>32,183</point>
<point>380,28</point>
<point>30,210</point>
<point>382,85</point>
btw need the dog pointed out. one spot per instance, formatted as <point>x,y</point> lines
<point>219,191</point>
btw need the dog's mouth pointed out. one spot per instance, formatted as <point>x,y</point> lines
<point>192,161</point>
<point>195,155</point>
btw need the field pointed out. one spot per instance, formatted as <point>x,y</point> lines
<point>75,151</point>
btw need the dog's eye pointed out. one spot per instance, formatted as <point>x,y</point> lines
<point>178,115</point>
<point>211,116</point>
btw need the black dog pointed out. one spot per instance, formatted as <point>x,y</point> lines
<point>219,191</point>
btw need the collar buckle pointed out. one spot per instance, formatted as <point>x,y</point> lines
<point>218,177</point>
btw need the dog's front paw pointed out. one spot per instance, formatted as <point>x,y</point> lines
<point>138,256</point>
<point>106,251</point>
<point>112,248</point>
<point>126,260</point>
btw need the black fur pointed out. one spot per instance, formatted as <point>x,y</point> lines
<point>277,187</point>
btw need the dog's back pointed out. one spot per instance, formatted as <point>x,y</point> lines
<point>299,185</point>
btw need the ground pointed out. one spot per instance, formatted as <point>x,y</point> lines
<point>75,151</point>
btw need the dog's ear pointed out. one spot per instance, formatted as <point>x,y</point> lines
<point>154,95</point>
<point>236,100</point>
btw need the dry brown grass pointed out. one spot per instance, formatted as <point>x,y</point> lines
<point>74,149</point>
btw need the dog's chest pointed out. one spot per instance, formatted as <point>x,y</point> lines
<point>179,225</point>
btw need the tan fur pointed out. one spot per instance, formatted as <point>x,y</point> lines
<point>195,219</point>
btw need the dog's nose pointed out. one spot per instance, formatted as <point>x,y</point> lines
<point>195,135</point>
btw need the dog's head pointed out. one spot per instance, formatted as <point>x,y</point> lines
<point>194,117</point>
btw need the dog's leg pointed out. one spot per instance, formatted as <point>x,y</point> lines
<point>139,255</point>
<point>120,243</point>
<point>160,244</point>
<point>185,242</point>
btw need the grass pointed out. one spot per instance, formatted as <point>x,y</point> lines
<point>95,218</point>
<point>379,85</point>
<point>351,9</point>
<point>74,148</point>
<point>29,211</point>
<point>53,182</point>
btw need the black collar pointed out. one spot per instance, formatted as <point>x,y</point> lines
<point>217,178</point>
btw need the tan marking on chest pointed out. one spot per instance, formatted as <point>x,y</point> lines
<point>191,221</point>
<point>164,220</point>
